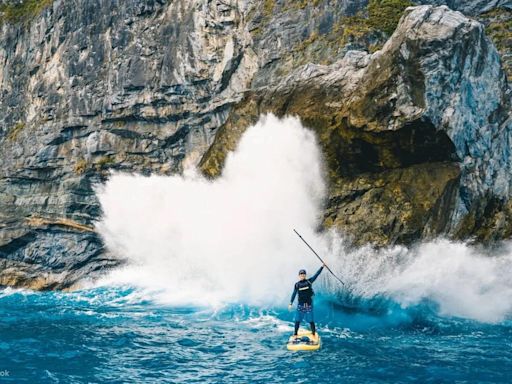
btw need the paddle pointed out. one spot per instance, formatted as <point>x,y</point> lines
<point>319,258</point>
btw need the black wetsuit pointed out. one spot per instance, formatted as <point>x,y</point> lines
<point>304,288</point>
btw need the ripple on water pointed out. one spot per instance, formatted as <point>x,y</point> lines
<point>48,337</point>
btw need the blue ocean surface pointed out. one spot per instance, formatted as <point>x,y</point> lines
<point>116,335</point>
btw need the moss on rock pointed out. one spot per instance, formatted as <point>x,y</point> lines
<point>15,131</point>
<point>268,7</point>
<point>498,24</point>
<point>402,203</point>
<point>489,220</point>
<point>385,14</point>
<point>22,12</point>
<point>228,136</point>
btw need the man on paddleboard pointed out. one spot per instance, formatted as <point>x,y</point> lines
<point>304,287</point>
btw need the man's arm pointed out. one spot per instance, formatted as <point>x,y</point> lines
<point>295,290</point>
<point>313,278</point>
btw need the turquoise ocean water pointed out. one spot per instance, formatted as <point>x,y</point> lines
<point>117,335</point>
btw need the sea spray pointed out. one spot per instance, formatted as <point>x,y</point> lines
<point>231,239</point>
<point>454,277</point>
<point>191,240</point>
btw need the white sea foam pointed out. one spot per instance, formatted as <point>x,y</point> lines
<point>191,240</point>
<point>459,279</point>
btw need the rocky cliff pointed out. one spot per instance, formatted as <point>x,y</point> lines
<point>416,135</point>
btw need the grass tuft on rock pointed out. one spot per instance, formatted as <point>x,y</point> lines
<point>81,166</point>
<point>15,131</point>
<point>268,7</point>
<point>104,162</point>
<point>499,29</point>
<point>385,14</point>
<point>22,12</point>
<point>498,26</point>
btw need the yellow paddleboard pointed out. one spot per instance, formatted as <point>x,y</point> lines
<point>305,341</point>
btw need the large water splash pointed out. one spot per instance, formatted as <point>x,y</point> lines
<point>225,240</point>
<point>456,278</point>
<point>191,240</point>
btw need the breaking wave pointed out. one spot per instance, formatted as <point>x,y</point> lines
<point>195,241</point>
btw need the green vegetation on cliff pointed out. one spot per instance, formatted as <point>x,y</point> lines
<point>268,7</point>
<point>367,29</point>
<point>355,28</point>
<point>14,132</point>
<point>382,15</point>
<point>385,14</point>
<point>81,166</point>
<point>499,27</point>
<point>100,164</point>
<point>22,12</point>
<point>498,24</point>
<point>104,162</point>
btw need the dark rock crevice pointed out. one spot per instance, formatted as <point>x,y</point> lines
<point>353,151</point>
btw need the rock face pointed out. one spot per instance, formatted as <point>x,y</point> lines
<point>98,85</point>
<point>496,15</point>
<point>416,136</point>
